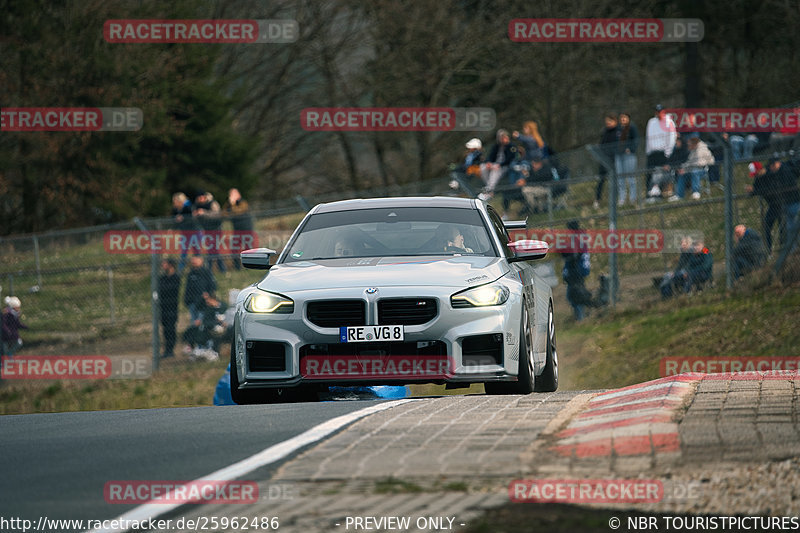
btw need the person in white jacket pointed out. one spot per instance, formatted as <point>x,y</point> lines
<point>659,143</point>
<point>696,166</point>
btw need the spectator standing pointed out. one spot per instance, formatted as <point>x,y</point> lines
<point>785,176</point>
<point>577,266</point>
<point>765,184</point>
<point>209,215</point>
<point>11,324</point>
<point>659,143</point>
<point>749,252</point>
<point>696,166</point>
<point>625,159</point>
<point>496,165</point>
<point>237,209</point>
<point>609,143</point>
<point>183,220</point>
<point>199,282</point>
<point>169,284</point>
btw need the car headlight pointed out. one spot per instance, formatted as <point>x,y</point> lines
<point>485,295</point>
<point>267,302</point>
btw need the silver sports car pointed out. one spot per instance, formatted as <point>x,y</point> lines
<point>395,291</point>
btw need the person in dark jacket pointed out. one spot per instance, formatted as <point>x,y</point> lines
<point>577,267</point>
<point>501,155</point>
<point>609,141</point>
<point>767,185</point>
<point>237,209</point>
<point>183,221</point>
<point>749,252</point>
<point>625,159</point>
<point>208,213</point>
<point>694,269</point>
<point>199,282</point>
<point>169,284</point>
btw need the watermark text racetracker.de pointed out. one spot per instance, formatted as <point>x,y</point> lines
<point>778,367</point>
<point>212,31</point>
<point>755,120</point>
<point>610,30</point>
<point>23,367</point>
<point>398,119</point>
<point>215,242</point>
<point>629,491</point>
<point>23,119</point>
<point>621,241</point>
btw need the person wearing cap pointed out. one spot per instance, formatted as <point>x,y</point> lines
<point>472,160</point>
<point>11,324</point>
<point>659,143</point>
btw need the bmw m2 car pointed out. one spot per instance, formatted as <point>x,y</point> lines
<point>393,291</point>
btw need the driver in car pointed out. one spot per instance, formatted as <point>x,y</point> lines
<point>452,239</point>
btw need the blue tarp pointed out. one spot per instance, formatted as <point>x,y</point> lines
<point>222,396</point>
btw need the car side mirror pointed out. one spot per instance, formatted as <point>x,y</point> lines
<point>528,250</point>
<point>257,258</point>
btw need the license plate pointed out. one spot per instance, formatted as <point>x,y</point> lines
<point>371,333</point>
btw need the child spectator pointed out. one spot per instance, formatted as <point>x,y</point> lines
<point>11,324</point>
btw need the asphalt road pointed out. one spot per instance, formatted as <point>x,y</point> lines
<point>56,465</point>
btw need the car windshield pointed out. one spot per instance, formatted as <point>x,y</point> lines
<point>402,231</point>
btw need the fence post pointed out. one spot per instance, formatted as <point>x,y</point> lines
<point>727,171</point>
<point>613,269</point>
<point>111,292</point>
<point>38,264</point>
<point>154,303</point>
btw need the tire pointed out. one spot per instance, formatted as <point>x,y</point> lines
<point>547,381</point>
<point>525,380</point>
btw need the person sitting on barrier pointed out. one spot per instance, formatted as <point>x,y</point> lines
<point>205,334</point>
<point>696,166</point>
<point>694,269</point>
<point>531,140</point>
<point>533,188</point>
<point>496,165</point>
<point>749,253</point>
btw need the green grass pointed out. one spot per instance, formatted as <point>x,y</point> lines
<point>626,348</point>
<point>176,384</point>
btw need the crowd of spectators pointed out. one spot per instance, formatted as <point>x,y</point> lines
<point>524,169</point>
<point>207,325</point>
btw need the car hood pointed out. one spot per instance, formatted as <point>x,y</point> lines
<point>460,271</point>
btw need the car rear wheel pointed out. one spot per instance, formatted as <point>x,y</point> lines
<point>548,380</point>
<point>525,379</point>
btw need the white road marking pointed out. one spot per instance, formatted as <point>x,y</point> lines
<point>267,456</point>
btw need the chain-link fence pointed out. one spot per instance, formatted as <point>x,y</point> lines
<point>78,297</point>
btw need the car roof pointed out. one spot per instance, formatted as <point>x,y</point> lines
<point>408,201</point>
